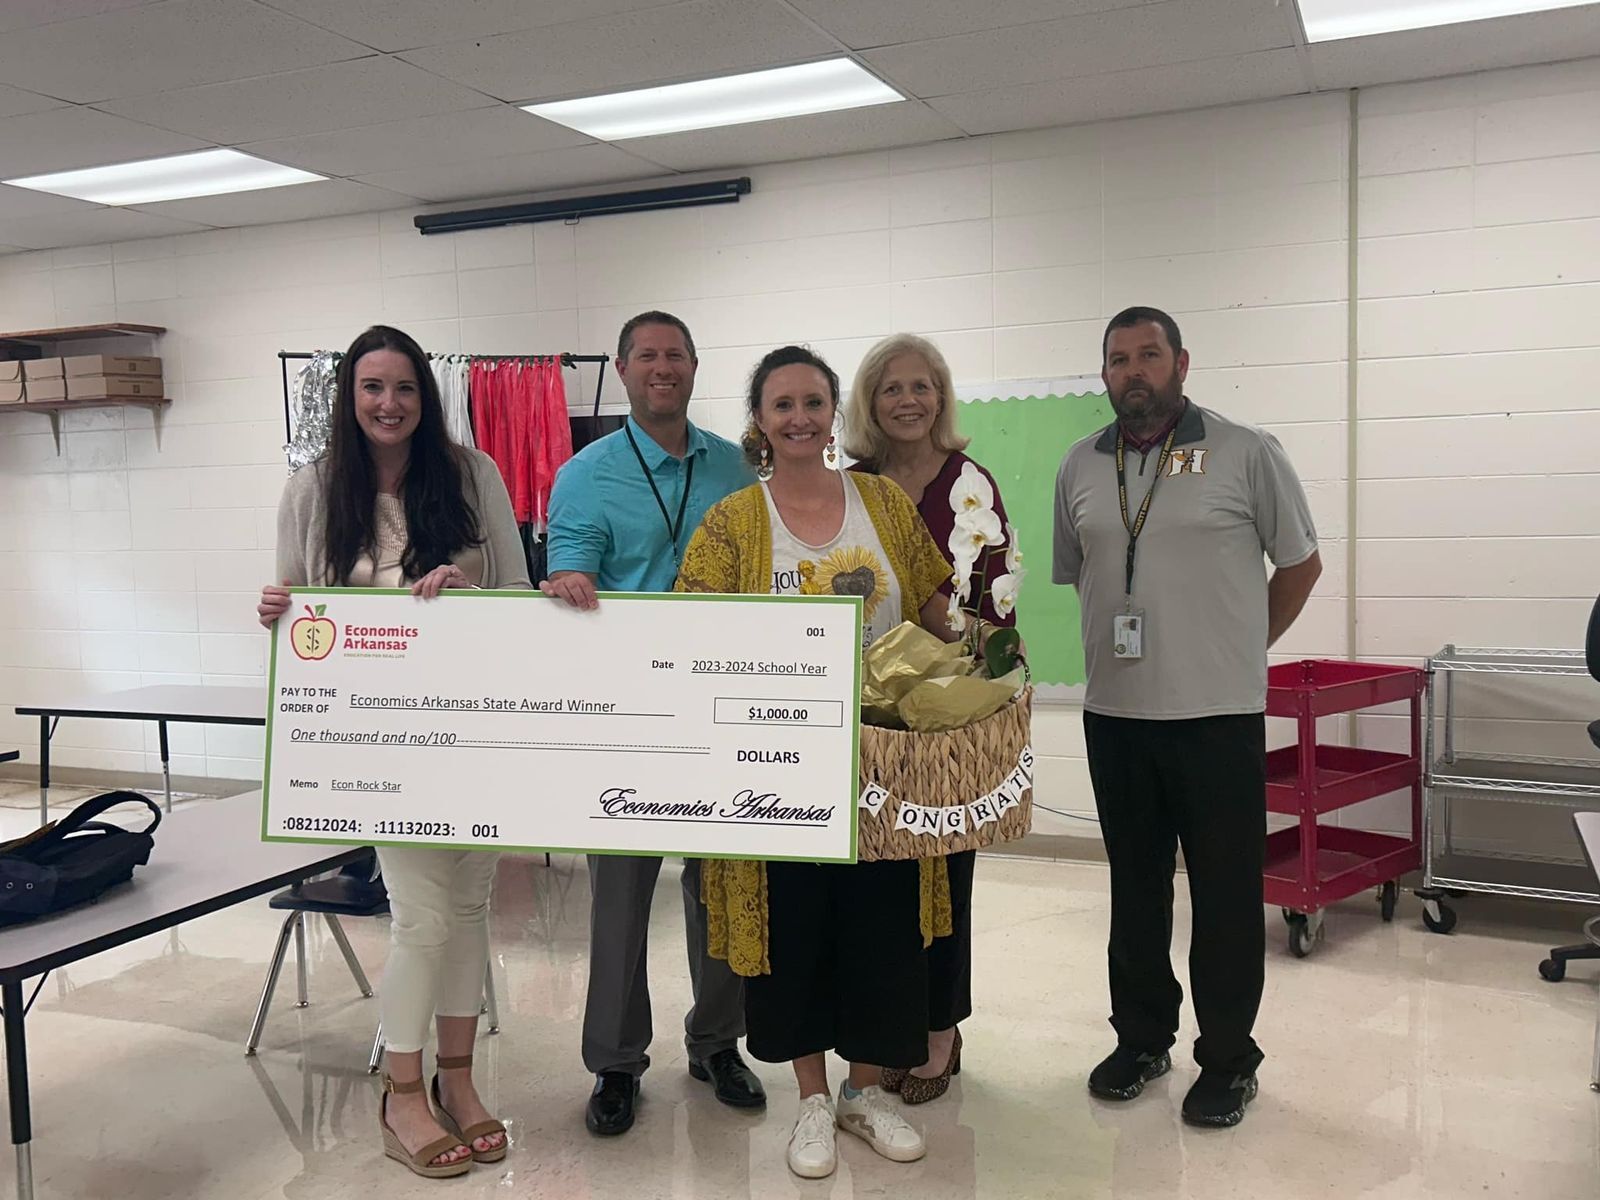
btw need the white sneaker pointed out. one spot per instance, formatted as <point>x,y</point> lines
<point>811,1145</point>
<point>876,1120</point>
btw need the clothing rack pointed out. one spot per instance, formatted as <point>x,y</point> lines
<point>567,360</point>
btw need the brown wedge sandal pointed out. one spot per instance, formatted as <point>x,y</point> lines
<point>471,1134</point>
<point>420,1163</point>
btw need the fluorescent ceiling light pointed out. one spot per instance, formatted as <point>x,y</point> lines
<point>180,177</point>
<point>1331,20</point>
<point>731,100</point>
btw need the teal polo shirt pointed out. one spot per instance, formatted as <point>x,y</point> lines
<point>604,519</point>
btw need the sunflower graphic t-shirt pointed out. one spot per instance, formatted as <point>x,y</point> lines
<point>852,564</point>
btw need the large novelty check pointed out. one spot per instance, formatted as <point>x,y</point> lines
<point>709,726</point>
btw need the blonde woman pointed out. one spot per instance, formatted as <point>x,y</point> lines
<point>900,423</point>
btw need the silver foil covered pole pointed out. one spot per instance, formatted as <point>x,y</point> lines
<point>311,409</point>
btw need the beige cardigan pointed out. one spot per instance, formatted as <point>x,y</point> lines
<point>302,520</point>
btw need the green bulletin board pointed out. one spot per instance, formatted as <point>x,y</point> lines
<point>1022,439</point>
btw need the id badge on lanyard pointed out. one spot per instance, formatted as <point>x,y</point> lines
<point>1128,626</point>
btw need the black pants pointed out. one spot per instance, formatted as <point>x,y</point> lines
<point>950,958</point>
<point>1201,783</point>
<point>848,969</point>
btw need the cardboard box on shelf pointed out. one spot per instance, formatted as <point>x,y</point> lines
<point>43,368</point>
<point>11,391</point>
<point>40,390</point>
<point>10,371</point>
<point>110,364</point>
<point>119,387</point>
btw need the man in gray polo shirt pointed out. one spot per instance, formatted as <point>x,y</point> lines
<point>1162,521</point>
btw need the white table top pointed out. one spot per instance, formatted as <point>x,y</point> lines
<point>207,856</point>
<point>169,702</point>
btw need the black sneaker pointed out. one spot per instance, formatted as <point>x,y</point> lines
<point>1124,1073</point>
<point>1217,1099</point>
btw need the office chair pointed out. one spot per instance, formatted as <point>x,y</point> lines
<point>1554,968</point>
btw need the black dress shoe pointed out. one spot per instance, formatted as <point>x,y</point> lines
<point>736,1084</point>
<point>610,1109</point>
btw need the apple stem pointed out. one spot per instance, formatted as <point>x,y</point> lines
<point>309,613</point>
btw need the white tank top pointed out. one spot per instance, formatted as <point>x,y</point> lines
<point>852,563</point>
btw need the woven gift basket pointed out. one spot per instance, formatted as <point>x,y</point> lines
<point>941,773</point>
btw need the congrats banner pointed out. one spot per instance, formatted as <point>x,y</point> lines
<point>706,726</point>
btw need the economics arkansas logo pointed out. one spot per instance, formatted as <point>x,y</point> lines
<point>314,636</point>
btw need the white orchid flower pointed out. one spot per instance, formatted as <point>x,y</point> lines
<point>963,555</point>
<point>975,531</point>
<point>972,493</point>
<point>958,619</point>
<point>1013,550</point>
<point>1003,591</point>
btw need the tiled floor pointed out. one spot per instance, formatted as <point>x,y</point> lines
<point>1401,1065</point>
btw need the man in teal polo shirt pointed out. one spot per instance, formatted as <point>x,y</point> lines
<point>620,515</point>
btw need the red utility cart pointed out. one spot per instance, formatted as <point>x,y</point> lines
<point>1310,866</point>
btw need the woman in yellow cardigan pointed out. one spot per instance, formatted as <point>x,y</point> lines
<point>832,954</point>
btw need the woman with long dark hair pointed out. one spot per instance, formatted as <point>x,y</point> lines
<point>394,503</point>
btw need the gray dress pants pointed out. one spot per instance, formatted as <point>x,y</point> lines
<point>616,1019</point>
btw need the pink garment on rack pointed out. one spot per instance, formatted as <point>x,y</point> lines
<point>478,389</point>
<point>555,443</point>
<point>514,409</point>
<point>520,419</point>
<point>501,427</point>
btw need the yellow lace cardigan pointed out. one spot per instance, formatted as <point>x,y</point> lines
<point>731,553</point>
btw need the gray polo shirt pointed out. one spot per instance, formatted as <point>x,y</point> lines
<point>1228,496</point>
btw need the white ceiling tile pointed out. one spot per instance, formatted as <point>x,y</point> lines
<point>495,132</point>
<point>87,228</point>
<point>301,202</point>
<point>834,133</point>
<point>685,41</point>
<point>178,44</point>
<point>517,175</point>
<point>337,96</point>
<point>1456,49</point>
<point>890,22</point>
<point>406,24</point>
<point>1128,93</point>
<point>14,102</point>
<point>62,139</point>
<point>25,14</point>
<point>1098,43</point>
<point>22,202</point>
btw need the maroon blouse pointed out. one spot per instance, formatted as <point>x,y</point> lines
<point>940,518</point>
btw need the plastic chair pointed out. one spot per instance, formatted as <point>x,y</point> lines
<point>356,891</point>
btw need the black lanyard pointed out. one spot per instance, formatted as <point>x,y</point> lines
<point>674,528</point>
<point>1137,525</point>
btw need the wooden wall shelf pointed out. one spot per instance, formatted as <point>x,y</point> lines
<point>32,340</point>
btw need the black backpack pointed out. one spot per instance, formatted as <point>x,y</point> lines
<point>71,860</point>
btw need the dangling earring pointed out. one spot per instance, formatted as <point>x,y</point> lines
<point>830,455</point>
<point>764,471</point>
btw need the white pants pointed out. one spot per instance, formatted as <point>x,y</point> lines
<point>439,939</point>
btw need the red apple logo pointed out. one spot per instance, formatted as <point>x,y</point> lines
<point>313,635</point>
